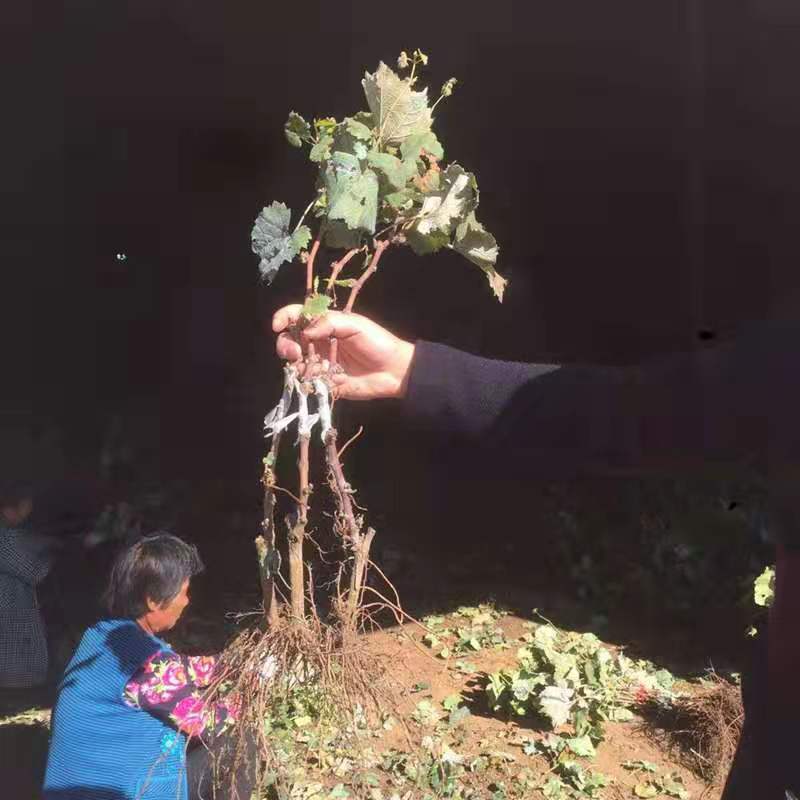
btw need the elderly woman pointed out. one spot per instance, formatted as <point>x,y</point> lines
<point>128,704</point>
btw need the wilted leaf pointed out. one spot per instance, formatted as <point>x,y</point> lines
<point>646,790</point>
<point>477,245</point>
<point>555,703</point>
<point>443,209</point>
<point>297,130</point>
<point>271,240</point>
<point>398,110</point>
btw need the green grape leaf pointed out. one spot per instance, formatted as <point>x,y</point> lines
<point>398,110</point>
<point>411,147</point>
<point>271,240</point>
<point>396,172</point>
<point>444,208</point>
<point>424,245</point>
<point>297,130</point>
<point>476,244</point>
<point>322,149</point>
<point>358,129</point>
<point>400,200</point>
<point>582,746</point>
<point>301,237</point>
<point>352,194</point>
<point>325,125</point>
<point>315,306</point>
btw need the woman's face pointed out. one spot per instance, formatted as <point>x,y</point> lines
<point>163,617</point>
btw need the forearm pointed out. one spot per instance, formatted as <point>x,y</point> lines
<point>688,412</point>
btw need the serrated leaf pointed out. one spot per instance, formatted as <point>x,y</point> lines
<point>297,130</point>
<point>396,172</point>
<point>321,151</point>
<point>398,110</point>
<point>555,702</point>
<point>582,746</point>
<point>357,129</point>
<point>446,207</point>
<point>477,245</point>
<point>271,240</point>
<point>411,148</point>
<point>315,306</point>
<point>301,237</point>
<point>352,194</point>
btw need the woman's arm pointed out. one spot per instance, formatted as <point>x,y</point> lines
<point>170,686</point>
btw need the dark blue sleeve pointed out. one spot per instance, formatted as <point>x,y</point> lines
<point>725,407</point>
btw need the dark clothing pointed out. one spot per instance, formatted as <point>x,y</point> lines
<point>732,409</point>
<point>236,777</point>
<point>25,559</point>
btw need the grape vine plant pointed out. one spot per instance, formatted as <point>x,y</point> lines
<point>382,183</point>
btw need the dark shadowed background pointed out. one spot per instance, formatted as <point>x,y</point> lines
<point>638,163</point>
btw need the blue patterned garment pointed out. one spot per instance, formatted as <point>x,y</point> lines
<point>101,747</point>
<point>24,562</point>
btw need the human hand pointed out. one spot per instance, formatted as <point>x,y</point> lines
<point>375,363</point>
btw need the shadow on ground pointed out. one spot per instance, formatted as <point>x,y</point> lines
<point>24,749</point>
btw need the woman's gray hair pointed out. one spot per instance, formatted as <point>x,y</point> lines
<point>153,568</point>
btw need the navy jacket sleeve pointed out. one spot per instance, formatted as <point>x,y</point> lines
<point>734,405</point>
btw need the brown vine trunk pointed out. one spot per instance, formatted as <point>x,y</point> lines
<point>297,533</point>
<point>266,549</point>
<point>356,542</point>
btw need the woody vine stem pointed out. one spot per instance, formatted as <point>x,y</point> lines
<point>381,183</point>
